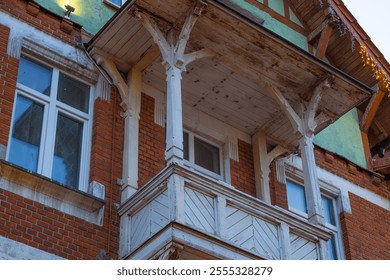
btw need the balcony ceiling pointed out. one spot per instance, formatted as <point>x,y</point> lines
<point>230,85</point>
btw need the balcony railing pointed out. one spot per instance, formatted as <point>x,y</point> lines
<point>214,218</point>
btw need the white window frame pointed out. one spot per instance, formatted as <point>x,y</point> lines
<point>336,229</point>
<point>292,209</point>
<point>114,4</point>
<point>191,156</point>
<point>330,192</point>
<point>52,108</point>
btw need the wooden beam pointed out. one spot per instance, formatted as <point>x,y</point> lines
<point>317,31</point>
<point>110,67</point>
<point>366,148</point>
<point>324,41</point>
<point>381,163</point>
<point>293,117</point>
<point>311,109</point>
<point>262,161</point>
<point>150,56</point>
<point>371,110</point>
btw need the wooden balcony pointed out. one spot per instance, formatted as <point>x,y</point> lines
<point>183,214</point>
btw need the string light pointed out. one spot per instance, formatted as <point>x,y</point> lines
<point>379,73</point>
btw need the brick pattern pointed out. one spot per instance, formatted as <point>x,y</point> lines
<point>33,223</point>
<point>8,76</point>
<point>366,232</point>
<point>277,189</point>
<point>242,172</point>
<point>50,230</point>
<point>44,20</point>
<point>151,143</point>
<point>352,173</point>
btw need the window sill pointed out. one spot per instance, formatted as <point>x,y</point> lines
<point>49,193</point>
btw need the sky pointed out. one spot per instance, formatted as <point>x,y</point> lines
<point>374,17</point>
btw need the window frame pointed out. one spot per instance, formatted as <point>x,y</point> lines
<point>52,108</point>
<point>292,209</point>
<point>332,193</point>
<point>109,2</point>
<point>191,155</point>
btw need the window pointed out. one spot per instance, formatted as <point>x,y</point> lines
<point>296,198</point>
<point>116,2</point>
<point>202,155</point>
<point>50,124</point>
<point>332,223</point>
<point>297,203</point>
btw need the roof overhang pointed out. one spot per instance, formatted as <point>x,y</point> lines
<point>230,85</point>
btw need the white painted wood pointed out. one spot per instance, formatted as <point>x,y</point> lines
<point>295,120</point>
<point>312,189</point>
<point>124,236</point>
<point>200,210</point>
<point>131,138</point>
<point>284,241</point>
<point>262,161</point>
<point>252,233</point>
<point>110,67</point>
<point>208,211</point>
<point>174,129</point>
<point>221,205</point>
<point>302,249</point>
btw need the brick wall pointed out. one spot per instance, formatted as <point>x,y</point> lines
<point>277,190</point>
<point>33,223</point>
<point>366,232</point>
<point>242,172</point>
<point>43,20</point>
<point>8,75</point>
<point>151,143</point>
<point>50,230</point>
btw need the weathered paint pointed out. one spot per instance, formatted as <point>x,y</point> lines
<point>274,25</point>
<point>91,14</point>
<point>277,6</point>
<point>344,138</point>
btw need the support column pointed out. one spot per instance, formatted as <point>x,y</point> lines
<point>131,140</point>
<point>130,94</point>
<point>172,49</point>
<point>304,126</point>
<point>262,161</point>
<point>174,131</point>
<point>310,178</point>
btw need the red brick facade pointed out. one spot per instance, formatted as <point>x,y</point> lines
<point>33,223</point>
<point>243,172</point>
<point>8,75</point>
<point>365,231</point>
<point>151,143</point>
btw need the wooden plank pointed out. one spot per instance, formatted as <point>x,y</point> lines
<point>371,110</point>
<point>194,210</point>
<point>323,42</point>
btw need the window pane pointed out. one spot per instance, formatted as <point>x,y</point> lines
<point>66,164</point>
<point>34,75</point>
<point>327,205</point>
<point>296,196</point>
<point>117,2</point>
<point>73,93</point>
<point>332,255</point>
<point>26,134</point>
<point>185,146</point>
<point>206,155</point>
